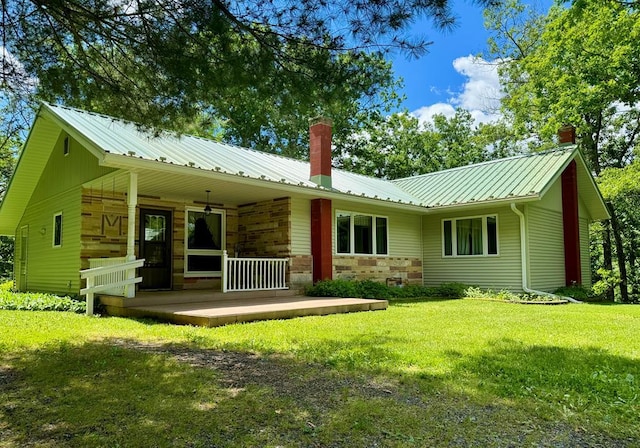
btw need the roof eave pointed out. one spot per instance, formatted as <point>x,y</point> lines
<point>484,204</point>
<point>134,163</point>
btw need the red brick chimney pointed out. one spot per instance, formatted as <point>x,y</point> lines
<point>320,151</point>
<point>567,135</point>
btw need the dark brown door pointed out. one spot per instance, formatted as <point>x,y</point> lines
<point>155,248</point>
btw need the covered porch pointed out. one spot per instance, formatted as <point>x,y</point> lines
<point>210,309</point>
<point>158,220</point>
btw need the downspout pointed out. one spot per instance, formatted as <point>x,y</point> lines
<point>524,257</point>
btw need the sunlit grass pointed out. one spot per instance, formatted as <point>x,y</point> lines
<point>512,368</point>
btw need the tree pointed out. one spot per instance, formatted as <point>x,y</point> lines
<point>576,65</point>
<point>236,67</point>
<point>8,150</point>
<point>401,146</point>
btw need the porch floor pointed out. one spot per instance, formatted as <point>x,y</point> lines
<point>215,309</point>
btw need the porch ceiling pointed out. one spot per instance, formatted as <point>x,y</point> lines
<point>179,187</point>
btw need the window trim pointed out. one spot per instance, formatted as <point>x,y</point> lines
<point>454,237</point>
<point>53,232</point>
<point>187,251</point>
<point>351,234</point>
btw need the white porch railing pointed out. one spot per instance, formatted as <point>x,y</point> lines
<point>112,277</point>
<point>115,277</point>
<point>253,274</point>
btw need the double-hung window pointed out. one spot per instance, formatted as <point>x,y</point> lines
<point>204,243</point>
<point>358,233</point>
<point>472,236</point>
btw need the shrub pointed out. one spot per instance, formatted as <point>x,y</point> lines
<point>39,302</point>
<point>579,293</point>
<point>371,289</point>
<point>450,290</point>
<point>332,288</point>
<point>6,286</point>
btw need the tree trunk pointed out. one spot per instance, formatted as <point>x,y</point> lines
<point>606,252</point>
<point>632,267</point>
<point>622,264</point>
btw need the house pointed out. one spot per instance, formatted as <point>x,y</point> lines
<point>91,190</point>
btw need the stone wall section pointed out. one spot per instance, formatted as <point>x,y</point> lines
<point>264,229</point>
<point>300,271</point>
<point>380,269</point>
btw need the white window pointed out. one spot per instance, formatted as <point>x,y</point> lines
<point>358,233</point>
<point>57,229</point>
<point>470,236</point>
<point>204,243</point>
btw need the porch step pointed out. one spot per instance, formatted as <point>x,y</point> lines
<point>147,298</point>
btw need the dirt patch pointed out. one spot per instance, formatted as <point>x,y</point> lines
<point>321,389</point>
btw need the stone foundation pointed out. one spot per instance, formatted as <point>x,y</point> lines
<point>300,270</point>
<point>378,268</point>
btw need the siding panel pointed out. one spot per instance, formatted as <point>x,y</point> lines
<point>300,226</point>
<point>54,269</point>
<point>546,248</point>
<point>496,272</point>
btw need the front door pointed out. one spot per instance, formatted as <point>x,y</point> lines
<point>155,247</point>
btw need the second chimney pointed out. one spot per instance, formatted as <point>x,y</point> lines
<point>567,135</point>
<point>320,151</point>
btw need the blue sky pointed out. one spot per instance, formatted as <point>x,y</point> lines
<point>448,76</point>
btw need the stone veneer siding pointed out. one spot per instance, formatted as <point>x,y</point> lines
<point>409,269</point>
<point>300,270</point>
<point>104,231</point>
<point>264,228</point>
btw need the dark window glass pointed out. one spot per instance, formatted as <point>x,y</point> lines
<point>381,236</point>
<point>204,263</point>
<point>448,245</point>
<point>57,230</point>
<point>205,231</point>
<point>363,234</point>
<point>492,235</point>
<point>343,234</point>
<point>469,236</point>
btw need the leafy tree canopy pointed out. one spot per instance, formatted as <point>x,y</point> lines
<point>400,146</point>
<point>576,65</point>
<point>230,67</point>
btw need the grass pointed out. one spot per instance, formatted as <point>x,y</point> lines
<point>431,373</point>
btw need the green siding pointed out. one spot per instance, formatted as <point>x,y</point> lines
<point>53,269</point>
<point>546,241</point>
<point>63,173</point>
<point>404,228</point>
<point>59,189</point>
<point>546,248</point>
<point>300,226</point>
<point>495,272</point>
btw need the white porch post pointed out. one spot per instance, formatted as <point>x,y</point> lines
<point>132,201</point>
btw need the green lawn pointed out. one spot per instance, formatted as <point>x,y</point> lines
<point>432,373</point>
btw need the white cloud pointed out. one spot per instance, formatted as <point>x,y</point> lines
<point>480,94</point>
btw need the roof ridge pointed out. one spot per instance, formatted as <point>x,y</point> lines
<point>489,162</point>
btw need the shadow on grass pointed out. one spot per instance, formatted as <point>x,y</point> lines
<point>584,385</point>
<point>126,393</point>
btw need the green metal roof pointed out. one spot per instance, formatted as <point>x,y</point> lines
<point>519,178</point>
<point>121,144</point>
<point>122,138</point>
